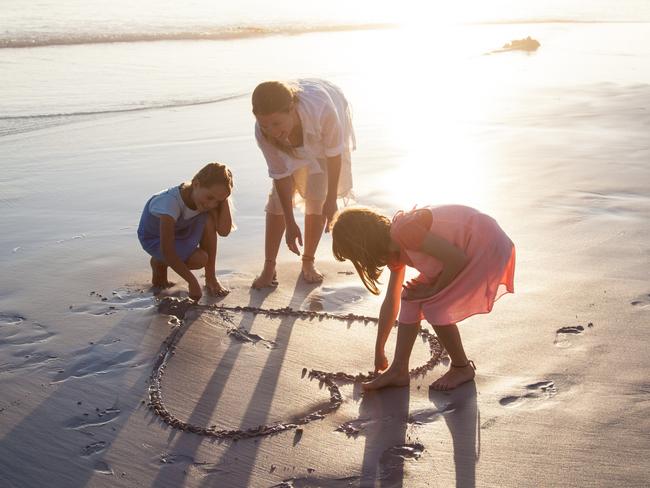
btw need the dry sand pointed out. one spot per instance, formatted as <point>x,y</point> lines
<point>561,396</point>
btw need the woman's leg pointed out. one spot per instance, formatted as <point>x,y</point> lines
<point>314,225</point>
<point>272,240</point>
<point>461,369</point>
<point>398,372</point>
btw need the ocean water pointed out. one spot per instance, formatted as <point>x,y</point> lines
<point>428,91</point>
<point>60,61</point>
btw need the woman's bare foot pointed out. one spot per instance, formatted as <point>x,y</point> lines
<point>215,288</point>
<point>309,272</point>
<point>267,278</point>
<point>159,275</point>
<point>456,376</point>
<point>392,377</point>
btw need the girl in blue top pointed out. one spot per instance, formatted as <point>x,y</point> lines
<point>178,228</point>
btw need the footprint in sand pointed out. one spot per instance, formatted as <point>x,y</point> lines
<point>94,448</point>
<point>642,301</point>
<point>563,333</point>
<point>535,391</point>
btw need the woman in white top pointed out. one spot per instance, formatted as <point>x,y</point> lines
<point>304,130</point>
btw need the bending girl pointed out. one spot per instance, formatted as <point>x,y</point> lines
<point>465,260</point>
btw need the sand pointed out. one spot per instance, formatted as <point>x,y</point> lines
<point>561,396</point>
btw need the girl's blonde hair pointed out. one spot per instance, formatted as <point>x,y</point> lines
<point>272,97</point>
<point>213,174</point>
<point>362,236</point>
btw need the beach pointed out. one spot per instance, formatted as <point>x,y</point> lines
<point>553,143</point>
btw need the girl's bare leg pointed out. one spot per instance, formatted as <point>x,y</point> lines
<point>461,369</point>
<point>159,274</point>
<point>398,372</point>
<point>198,259</point>
<point>314,225</point>
<point>272,239</point>
<point>209,246</point>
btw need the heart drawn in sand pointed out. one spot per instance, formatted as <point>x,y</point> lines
<point>179,307</point>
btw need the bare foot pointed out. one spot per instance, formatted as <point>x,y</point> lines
<point>455,377</point>
<point>390,378</point>
<point>267,278</point>
<point>309,272</point>
<point>215,288</point>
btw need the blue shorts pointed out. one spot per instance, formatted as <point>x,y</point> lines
<point>186,240</point>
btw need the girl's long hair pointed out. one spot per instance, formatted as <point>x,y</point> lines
<point>362,236</point>
<point>212,174</point>
<point>272,97</point>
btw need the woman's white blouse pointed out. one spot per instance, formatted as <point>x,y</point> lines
<point>327,132</point>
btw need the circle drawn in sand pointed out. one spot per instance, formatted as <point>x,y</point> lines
<point>179,307</point>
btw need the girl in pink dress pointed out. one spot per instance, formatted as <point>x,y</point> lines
<point>466,262</point>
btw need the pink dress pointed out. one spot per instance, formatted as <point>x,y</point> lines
<point>488,275</point>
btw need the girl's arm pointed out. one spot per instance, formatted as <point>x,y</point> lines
<point>223,220</point>
<point>168,249</point>
<point>387,315</point>
<point>333,173</point>
<point>452,259</point>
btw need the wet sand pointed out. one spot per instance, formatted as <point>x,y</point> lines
<point>561,393</point>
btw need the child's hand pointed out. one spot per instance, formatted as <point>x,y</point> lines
<point>418,291</point>
<point>381,363</point>
<point>195,290</point>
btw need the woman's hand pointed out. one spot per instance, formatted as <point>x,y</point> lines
<point>292,234</point>
<point>381,363</point>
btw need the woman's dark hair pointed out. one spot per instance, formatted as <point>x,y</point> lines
<point>274,96</point>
